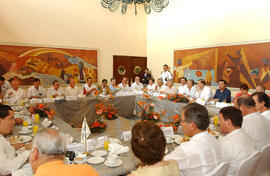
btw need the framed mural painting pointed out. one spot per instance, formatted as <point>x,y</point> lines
<point>237,64</point>
<point>48,64</point>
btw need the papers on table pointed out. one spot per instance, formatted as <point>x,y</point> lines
<point>35,100</point>
<point>168,131</point>
<point>126,135</point>
<point>48,100</point>
<point>222,104</point>
<point>46,122</point>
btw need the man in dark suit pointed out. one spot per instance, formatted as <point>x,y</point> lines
<point>146,77</point>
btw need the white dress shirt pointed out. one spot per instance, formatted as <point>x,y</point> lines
<point>170,91</point>
<point>124,88</point>
<point>151,88</point>
<point>18,94</point>
<point>161,89</point>
<point>51,91</point>
<point>266,114</point>
<point>235,147</point>
<point>165,76</point>
<point>32,91</point>
<point>255,125</point>
<point>205,93</point>
<point>87,88</point>
<point>5,87</point>
<point>190,92</point>
<point>136,86</point>
<point>69,91</point>
<point>182,88</point>
<point>8,159</point>
<point>198,156</point>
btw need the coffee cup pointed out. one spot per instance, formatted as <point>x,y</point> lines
<point>112,159</point>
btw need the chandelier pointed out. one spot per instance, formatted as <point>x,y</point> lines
<point>156,5</point>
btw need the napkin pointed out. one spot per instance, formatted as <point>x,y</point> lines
<point>69,139</point>
<point>118,149</point>
<point>114,141</point>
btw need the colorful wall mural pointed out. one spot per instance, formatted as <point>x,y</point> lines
<point>237,64</point>
<point>47,64</point>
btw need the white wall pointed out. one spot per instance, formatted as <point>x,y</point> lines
<point>76,24</point>
<point>196,23</point>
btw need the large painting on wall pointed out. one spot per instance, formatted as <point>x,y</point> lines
<point>237,64</point>
<point>47,64</point>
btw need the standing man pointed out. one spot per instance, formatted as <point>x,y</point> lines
<point>89,88</point>
<point>165,74</point>
<point>55,90</point>
<point>146,77</point>
<point>222,94</point>
<point>4,86</point>
<point>15,92</point>
<point>36,91</point>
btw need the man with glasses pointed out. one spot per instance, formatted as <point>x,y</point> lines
<point>202,153</point>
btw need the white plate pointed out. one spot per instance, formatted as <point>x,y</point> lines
<point>116,164</point>
<point>22,139</point>
<point>25,131</point>
<point>99,153</point>
<point>95,160</point>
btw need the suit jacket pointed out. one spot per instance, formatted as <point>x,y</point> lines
<point>145,78</point>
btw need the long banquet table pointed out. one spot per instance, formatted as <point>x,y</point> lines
<point>74,111</point>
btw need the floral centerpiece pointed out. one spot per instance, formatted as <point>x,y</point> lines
<point>176,121</point>
<point>148,113</point>
<point>178,98</point>
<point>107,110</point>
<point>43,111</point>
<point>98,126</point>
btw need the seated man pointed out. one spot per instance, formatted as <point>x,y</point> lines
<point>237,145</point>
<point>202,153</point>
<point>190,89</point>
<point>48,153</point>
<point>124,85</point>
<point>4,86</point>
<point>15,92</point>
<point>104,88</point>
<point>151,86</point>
<point>222,94</point>
<point>260,88</point>
<point>137,85</point>
<point>160,86</point>
<point>71,89</point>
<point>183,85</point>
<point>170,88</point>
<point>203,92</point>
<point>36,91</point>
<point>8,159</point>
<point>55,90</point>
<point>89,88</point>
<point>262,104</point>
<point>254,123</point>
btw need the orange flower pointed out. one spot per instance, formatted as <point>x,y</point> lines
<point>49,116</point>
<point>99,112</point>
<point>52,112</point>
<point>41,106</point>
<point>96,92</point>
<point>174,127</point>
<point>164,112</point>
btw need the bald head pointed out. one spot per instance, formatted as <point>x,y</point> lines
<point>15,84</point>
<point>72,83</point>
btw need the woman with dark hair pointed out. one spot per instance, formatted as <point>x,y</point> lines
<point>146,77</point>
<point>243,91</point>
<point>148,144</point>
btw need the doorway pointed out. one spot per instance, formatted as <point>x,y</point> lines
<point>129,67</point>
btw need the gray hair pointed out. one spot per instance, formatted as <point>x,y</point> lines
<point>160,80</point>
<point>50,142</point>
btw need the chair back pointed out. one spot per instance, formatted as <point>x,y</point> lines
<point>264,163</point>
<point>248,166</point>
<point>220,170</point>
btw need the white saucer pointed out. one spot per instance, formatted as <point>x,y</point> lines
<point>99,153</point>
<point>25,132</point>
<point>95,160</point>
<point>116,164</point>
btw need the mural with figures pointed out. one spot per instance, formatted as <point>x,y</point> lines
<point>47,64</point>
<point>237,64</point>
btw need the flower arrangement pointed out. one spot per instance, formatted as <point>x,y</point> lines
<point>98,126</point>
<point>107,110</point>
<point>42,110</point>
<point>176,121</point>
<point>148,112</point>
<point>178,98</point>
